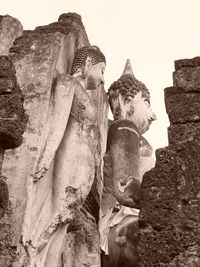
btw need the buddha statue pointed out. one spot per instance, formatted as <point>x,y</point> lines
<point>65,170</point>
<point>127,158</point>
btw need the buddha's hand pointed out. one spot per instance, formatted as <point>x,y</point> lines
<point>129,191</point>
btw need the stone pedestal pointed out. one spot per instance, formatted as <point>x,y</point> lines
<point>169,217</point>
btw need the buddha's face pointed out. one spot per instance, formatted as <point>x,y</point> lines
<point>95,76</point>
<point>140,112</point>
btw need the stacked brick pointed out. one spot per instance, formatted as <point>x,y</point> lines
<point>12,117</point>
<point>169,218</point>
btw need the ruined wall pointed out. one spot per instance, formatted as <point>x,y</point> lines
<point>12,124</point>
<point>169,218</point>
<point>40,57</point>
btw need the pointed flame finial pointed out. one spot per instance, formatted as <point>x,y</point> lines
<point>128,68</point>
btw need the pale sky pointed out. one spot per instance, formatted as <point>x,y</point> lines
<point>151,33</point>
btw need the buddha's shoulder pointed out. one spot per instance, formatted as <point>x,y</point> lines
<point>67,79</point>
<point>123,125</point>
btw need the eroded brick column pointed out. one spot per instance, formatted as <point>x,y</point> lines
<point>169,217</point>
<point>11,128</point>
<point>12,124</point>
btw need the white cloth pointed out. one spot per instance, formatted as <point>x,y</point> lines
<point>109,221</point>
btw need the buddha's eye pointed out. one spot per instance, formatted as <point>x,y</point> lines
<point>146,101</point>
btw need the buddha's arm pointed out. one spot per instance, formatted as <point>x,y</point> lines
<point>58,114</point>
<point>123,140</point>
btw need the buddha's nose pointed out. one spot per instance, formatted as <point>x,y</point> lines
<point>102,80</point>
<point>153,116</point>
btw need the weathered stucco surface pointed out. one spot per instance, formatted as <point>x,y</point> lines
<point>10,29</point>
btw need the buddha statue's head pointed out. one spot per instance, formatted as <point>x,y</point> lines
<point>88,67</point>
<point>130,99</point>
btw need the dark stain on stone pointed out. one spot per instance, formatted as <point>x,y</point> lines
<point>92,202</point>
<point>4,196</point>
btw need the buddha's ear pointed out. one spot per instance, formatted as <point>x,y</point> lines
<point>83,69</point>
<point>88,63</point>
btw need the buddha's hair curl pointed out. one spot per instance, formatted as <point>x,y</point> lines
<point>127,86</point>
<point>81,54</point>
